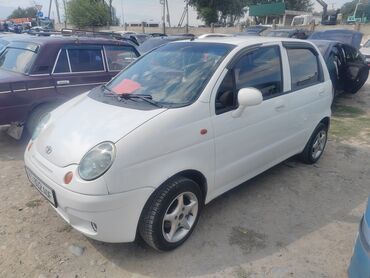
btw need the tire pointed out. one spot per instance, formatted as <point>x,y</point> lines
<point>359,82</point>
<point>167,234</point>
<point>312,152</point>
<point>36,115</point>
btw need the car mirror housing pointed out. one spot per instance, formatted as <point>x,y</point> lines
<point>247,97</point>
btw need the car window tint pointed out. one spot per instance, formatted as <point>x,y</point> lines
<point>304,68</point>
<point>119,57</point>
<point>226,94</point>
<point>62,63</point>
<point>260,69</point>
<point>86,60</point>
<point>18,60</point>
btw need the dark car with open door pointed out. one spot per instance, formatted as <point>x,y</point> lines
<point>347,66</point>
<point>39,73</point>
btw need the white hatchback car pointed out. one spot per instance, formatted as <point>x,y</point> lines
<point>177,128</point>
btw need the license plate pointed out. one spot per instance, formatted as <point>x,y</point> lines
<point>45,190</point>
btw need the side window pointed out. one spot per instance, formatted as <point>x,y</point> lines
<point>260,69</point>
<point>84,60</point>
<point>304,67</point>
<point>62,65</point>
<point>226,94</point>
<point>119,57</point>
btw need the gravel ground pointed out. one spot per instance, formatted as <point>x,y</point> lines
<point>295,220</point>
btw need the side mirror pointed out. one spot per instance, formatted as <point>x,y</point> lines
<point>361,45</point>
<point>247,97</point>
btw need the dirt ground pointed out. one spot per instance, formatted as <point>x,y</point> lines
<point>294,220</point>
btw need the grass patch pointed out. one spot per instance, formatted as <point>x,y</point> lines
<point>345,111</point>
<point>345,128</point>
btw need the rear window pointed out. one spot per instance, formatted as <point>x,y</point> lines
<point>85,60</point>
<point>304,68</point>
<point>119,57</point>
<point>18,60</point>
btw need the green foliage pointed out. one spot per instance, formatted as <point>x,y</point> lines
<point>21,13</point>
<point>86,13</point>
<point>213,11</point>
<point>349,8</point>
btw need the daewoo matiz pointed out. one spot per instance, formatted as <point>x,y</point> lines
<point>177,128</point>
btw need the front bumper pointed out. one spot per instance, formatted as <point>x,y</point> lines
<point>360,261</point>
<point>108,218</point>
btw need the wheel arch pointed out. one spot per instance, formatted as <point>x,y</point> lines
<point>326,121</point>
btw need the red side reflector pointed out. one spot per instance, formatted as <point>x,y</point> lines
<point>203,131</point>
<point>68,178</point>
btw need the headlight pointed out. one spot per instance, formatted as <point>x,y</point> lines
<point>40,126</point>
<point>97,161</point>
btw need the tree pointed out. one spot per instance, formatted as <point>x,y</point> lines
<point>88,13</point>
<point>21,13</point>
<point>213,11</point>
<point>299,5</point>
<point>349,9</point>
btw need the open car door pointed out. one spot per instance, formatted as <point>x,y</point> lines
<point>356,70</point>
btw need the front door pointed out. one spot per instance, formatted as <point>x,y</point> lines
<point>79,69</point>
<point>253,142</point>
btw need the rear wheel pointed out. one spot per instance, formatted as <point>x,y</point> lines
<point>36,115</point>
<point>316,145</point>
<point>171,214</point>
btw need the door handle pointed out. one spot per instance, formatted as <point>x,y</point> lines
<point>62,82</point>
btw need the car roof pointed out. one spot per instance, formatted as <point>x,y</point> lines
<point>45,40</point>
<point>245,40</point>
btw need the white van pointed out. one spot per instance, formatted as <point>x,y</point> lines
<point>177,128</point>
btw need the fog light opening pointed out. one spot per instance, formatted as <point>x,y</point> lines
<point>94,226</point>
<point>68,178</point>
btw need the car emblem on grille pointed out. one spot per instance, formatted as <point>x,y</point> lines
<point>48,150</point>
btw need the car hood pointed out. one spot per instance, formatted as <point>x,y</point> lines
<point>365,50</point>
<point>82,123</point>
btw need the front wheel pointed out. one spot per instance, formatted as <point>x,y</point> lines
<point>316,145</point>
<point>171,214</point>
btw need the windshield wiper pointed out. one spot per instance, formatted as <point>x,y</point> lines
<point>146,98</point>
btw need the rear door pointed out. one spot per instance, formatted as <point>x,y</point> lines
<point>79,69</point>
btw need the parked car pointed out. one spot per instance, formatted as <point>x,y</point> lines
<point>177,128</point>
<point>360,262</point>
<point>347,66</point>
<point>137,38</point>
<point>255,30</point>
<point>213,35</point>
<point>349,37</point>
<point>365,50</point>
<point>153,43</point>
<point>38,73</point>
<point>289,33</point>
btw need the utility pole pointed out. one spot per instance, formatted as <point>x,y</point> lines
<point>163,3</point>
<point>65,13</point>
<point>50,3</point>
<point>57,8</point>
<point>168,14</point>
<point>123,19</point>
<point>187,17</point>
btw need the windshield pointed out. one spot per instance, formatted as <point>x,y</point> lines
<point>172,75</point>
<point>367,44</point>
<point>18,60</point>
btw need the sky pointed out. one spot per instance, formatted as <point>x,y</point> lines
<point>133,10</point>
